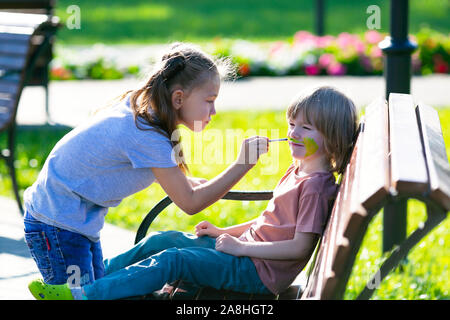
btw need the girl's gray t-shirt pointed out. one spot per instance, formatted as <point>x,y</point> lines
<point>95,166</point>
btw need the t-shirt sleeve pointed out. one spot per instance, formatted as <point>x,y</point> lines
<point>148,148</point>
<point>312,214</point>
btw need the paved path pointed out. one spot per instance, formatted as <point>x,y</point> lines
<point>72,101</point>
<point>17,267</point>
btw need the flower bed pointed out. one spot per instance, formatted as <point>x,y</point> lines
<point>305,54</point>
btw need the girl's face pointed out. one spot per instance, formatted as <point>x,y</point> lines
<point>308,142</point>
<point>196,107</point>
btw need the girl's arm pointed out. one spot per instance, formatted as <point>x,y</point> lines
<point>194,199</point>
<point>206,228</point>
<point>298,248</point>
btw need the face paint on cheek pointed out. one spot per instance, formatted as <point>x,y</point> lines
<point>310,145</point>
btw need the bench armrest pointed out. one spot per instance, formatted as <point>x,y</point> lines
<point>231,195</point>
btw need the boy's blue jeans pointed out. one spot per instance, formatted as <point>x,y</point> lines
<point>163,257</point>
<point>63,256</point>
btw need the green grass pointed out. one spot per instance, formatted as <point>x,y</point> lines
<point>425,276</point>
<point>143,21</point>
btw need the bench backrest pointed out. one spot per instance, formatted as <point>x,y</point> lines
<point>16,33</point>
<point>40,74</point>
<point>400,152</point>
<point>28,6</point>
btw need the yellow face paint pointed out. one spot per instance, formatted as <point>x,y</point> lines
<point>310,145</point>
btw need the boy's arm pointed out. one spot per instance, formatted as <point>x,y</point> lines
<point>206,228</point>
<point>298,248</point>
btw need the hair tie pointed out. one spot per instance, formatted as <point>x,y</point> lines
<point>173,65</point>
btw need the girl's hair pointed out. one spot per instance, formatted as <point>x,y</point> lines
<point>335,117</point>
<point>183,65</point>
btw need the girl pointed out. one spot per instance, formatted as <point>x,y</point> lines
<point>119,152</point>
<point>263,255</point>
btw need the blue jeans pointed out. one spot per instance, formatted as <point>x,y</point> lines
<point>163,257</point>
<point>61,255</point>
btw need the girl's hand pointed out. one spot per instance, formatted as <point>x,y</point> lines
<point>196,181</point>
<point>206,228</point>
<point>229,244</point>
<point>251,149</point>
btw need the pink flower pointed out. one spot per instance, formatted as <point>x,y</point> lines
<point>324,41</point>
<point>301,36</point>
<point>336,69</point>
<point>345,39</point>
<point>359,45</point>
<point>277,46</point>
<point>326,59</point>
<point>373,36</point>
<point>312,70</point>
<point>376,52</point>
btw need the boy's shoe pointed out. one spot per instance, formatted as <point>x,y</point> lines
<point>42,291</point>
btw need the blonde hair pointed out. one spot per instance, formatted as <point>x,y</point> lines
<point>184,65</point>
<point>335,117</point>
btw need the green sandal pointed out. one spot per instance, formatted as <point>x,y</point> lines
<point>42,291</point>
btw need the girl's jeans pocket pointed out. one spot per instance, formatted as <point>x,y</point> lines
<point>63,256</point>
<point>37,244</point>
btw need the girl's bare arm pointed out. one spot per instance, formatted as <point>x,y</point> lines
<point>194,199</point>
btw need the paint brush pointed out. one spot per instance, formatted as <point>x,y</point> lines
<point>282,139</point>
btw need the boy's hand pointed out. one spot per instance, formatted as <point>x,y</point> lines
<point>206,228</point>
<point>229,244</point>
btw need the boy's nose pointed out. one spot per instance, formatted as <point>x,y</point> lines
<point>213,111</point>
<point>294,135</point>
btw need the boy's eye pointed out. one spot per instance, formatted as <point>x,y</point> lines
<point>307,128</point>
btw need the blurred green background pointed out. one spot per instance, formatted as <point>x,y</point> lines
<point>162,21</point>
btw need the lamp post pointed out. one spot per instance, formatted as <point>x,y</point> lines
<point>319,23</point>
<point>397,49</point>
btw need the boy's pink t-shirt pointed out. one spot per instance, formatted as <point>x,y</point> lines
<point>299,204</point>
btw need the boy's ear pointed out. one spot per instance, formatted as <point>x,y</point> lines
<point>177,99</point>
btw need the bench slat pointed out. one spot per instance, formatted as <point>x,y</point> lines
<point>374,179</point>
<point>15,33</point>
<point>352,215</point>
<point>408,171</point>
<point>12,62</point>
<point>16,48</point>
<point>22,19</point>
<point>435,154</point>
<point>6,103</point>
<point>353,221</point>
<point>336,253</point>
<point>8,87</point>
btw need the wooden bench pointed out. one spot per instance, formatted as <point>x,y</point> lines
<point>399,153</point>
<point>40,73</point>
<point>23,37</point>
